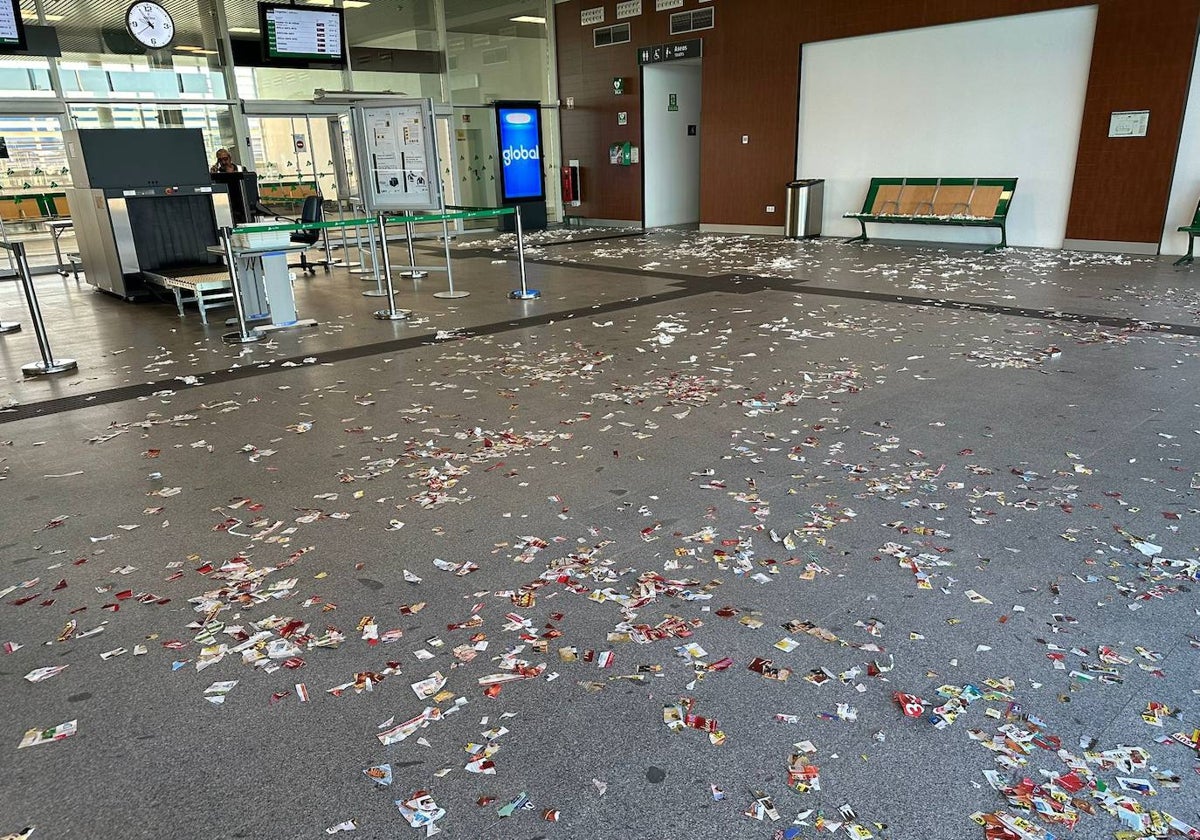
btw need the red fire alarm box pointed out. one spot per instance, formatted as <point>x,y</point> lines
<point>569,176</point>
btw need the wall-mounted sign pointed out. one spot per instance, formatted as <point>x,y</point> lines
<point>1128,123</point>
<point>300,143</point>
<point>672,101</point>
<point>621,154</point>
<point>622,118</point>
<point>618,85</point>
<point>519,128</point>
<point>671,52</point>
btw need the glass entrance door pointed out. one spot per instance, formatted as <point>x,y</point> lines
<point>293,159</point>
<point>33,181</point>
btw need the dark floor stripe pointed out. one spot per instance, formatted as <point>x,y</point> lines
<point>690,286</point>
<point>75,402</point>
<point>994,309</point>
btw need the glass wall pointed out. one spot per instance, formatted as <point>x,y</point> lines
<point>22,76</point>
<point>497,50</point>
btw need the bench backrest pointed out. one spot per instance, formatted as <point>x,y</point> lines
<point>980,198</point>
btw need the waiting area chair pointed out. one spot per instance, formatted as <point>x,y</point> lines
<point>310,212</point>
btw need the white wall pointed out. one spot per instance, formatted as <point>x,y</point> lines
<point>1185,189</point>
<point>993,98</point>
<point>670,157</point>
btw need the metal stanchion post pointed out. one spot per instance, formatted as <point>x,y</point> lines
<point>449,273</point>
<point>391,313</point>
<point>413,273</point>
<point>362,255</point>
<point>243,335</point>
<point>378,290</point>
<point>523,293</point>
<point>345,261</point>
<point>48,364</point>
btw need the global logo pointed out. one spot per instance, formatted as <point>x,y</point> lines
<point>512,155</point>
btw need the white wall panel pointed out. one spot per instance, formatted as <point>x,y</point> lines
<point>1185,189</point>
<point>993,98</point>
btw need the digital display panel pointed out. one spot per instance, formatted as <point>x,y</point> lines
<point>519,128</point>
<point>301,35</point>
<point>12,28</point>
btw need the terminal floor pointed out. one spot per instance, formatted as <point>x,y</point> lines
<point>733,432</point>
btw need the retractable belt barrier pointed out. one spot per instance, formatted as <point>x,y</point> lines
<point>416,272</point>
<point>48,363</point>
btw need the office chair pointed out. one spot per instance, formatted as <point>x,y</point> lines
<point>310,212</point>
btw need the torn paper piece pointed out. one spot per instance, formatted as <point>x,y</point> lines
<point>44,736</point>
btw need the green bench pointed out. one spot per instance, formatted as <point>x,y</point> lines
<point>962,202</point>
<point>1191,230</point>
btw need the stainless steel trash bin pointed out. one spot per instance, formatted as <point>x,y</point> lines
<point>805,203</point>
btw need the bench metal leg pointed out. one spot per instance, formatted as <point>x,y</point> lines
<point>1003,243</point>
<point>860,238</point>
<point>1187,258</point>
<point>178,301</point>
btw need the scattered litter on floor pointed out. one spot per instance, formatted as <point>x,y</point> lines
<point>645,500</point>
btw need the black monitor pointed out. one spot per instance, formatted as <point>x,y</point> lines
<point>301,36</point>
<point>243,194</point>
<point>12,27</point>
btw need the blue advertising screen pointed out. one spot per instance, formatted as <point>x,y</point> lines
<point>520,131</point>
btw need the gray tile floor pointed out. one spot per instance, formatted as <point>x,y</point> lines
<point>892,468</point>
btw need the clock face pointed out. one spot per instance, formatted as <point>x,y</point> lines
<point>150,24</point>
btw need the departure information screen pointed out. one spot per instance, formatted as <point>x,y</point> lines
<point>298,33</point>
<point>12,32</point>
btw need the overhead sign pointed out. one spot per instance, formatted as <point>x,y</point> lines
<point>519,128</point>
<point>671,52</point>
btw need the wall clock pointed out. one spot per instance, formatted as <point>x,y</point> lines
<point>150,24</point>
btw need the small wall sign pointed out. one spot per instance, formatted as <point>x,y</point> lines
<point>1128,123</point>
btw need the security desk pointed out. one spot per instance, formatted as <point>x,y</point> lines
<point>261,273</point>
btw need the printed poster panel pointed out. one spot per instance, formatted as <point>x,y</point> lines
<point>397,156</point>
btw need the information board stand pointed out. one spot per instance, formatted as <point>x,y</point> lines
<point>397,156</point>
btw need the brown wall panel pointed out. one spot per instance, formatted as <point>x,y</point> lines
<point>1142,58</point>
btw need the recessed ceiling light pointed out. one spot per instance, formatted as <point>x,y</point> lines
<point>31,17</point>
<point>528,19</point>
<point>242,30</point>
<point>355,4</point>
